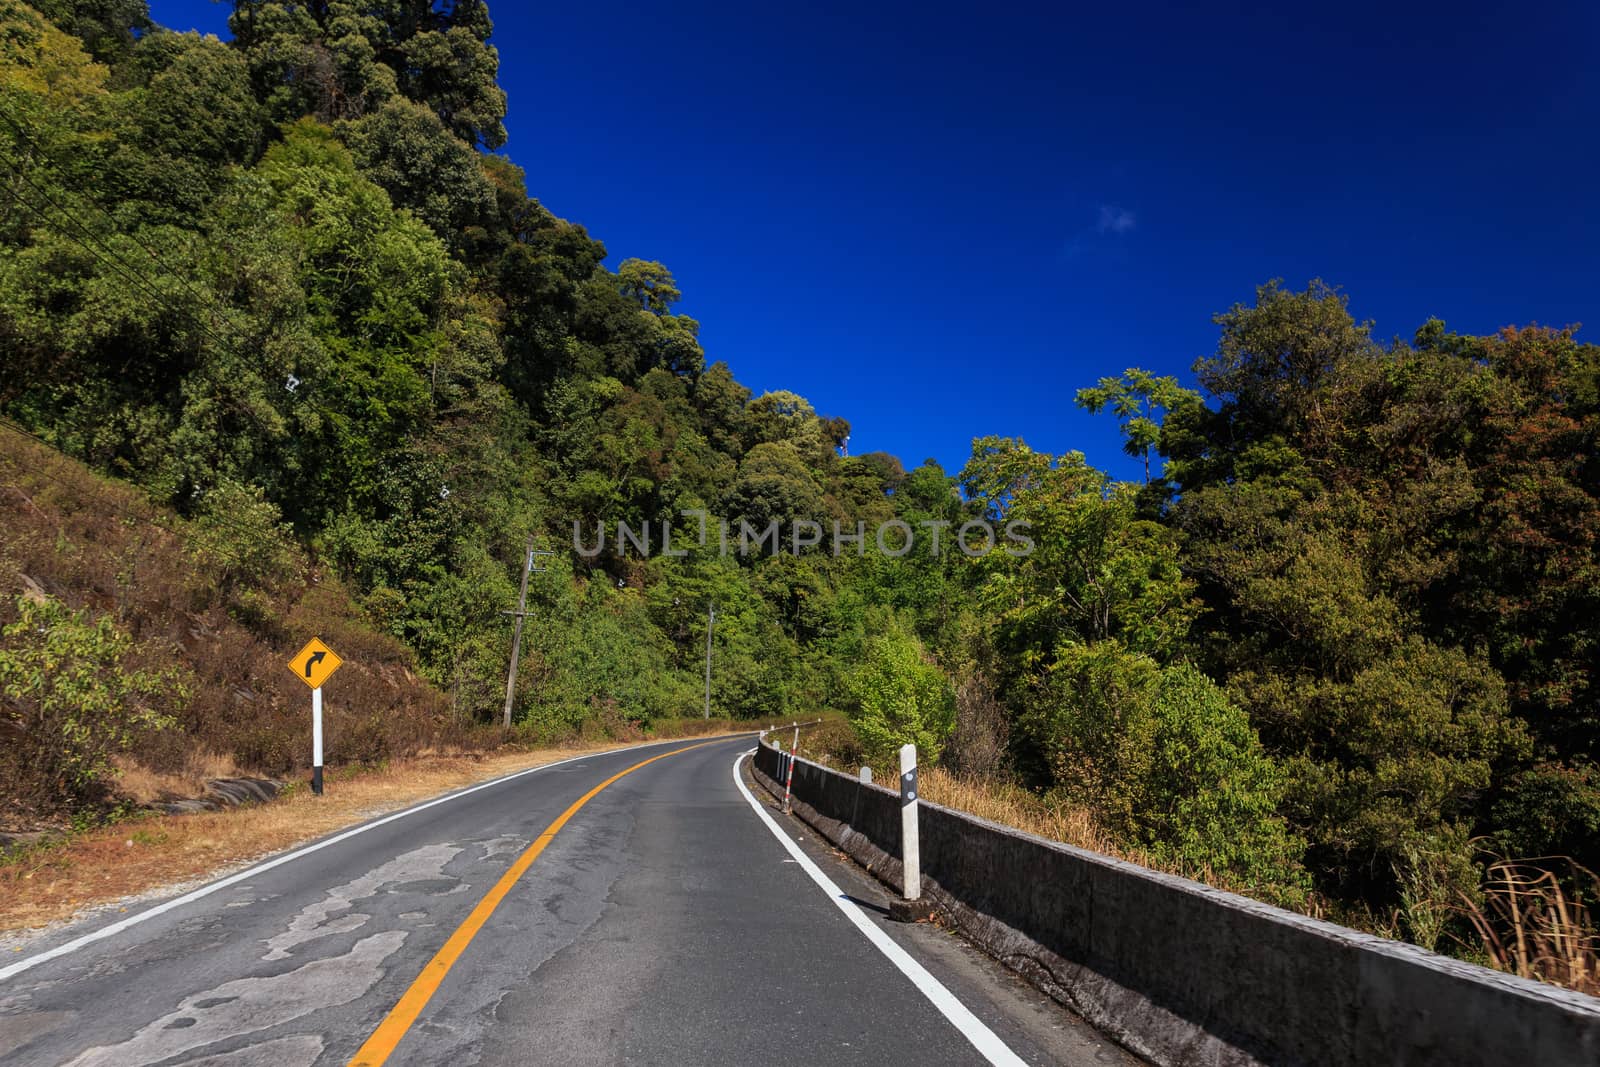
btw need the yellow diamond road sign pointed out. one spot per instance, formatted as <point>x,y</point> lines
<point>315,663</point>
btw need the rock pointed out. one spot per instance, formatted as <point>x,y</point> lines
<point>224,793</point>
<point>23,838</point>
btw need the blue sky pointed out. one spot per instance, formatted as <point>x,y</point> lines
<point>941,221</point>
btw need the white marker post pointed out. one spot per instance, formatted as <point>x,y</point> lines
<point>316,741</point>
<point>911,908</point>
<point>910,860</point>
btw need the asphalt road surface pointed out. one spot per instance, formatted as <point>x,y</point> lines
<point>566,915</point>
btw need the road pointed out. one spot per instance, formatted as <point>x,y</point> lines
<point>628,907</point>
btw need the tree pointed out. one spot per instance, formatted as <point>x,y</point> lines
<point>46,71</point>
<point>1166,762</point>
<point>1138,399</point>
<point>1267,376</point>
<point>190,114</point>
<point>1389,737</point>
<point>342,60</point>
<point>721,402</point>
<point>788,417</point>
<point>407,149</point>
<point>107,28</point>
<point>451,67</point>
<point>1096,572</point>
<point>1273,356</point>
<point>648,283</point>
<point>901,698</point>
<point>773,485</point>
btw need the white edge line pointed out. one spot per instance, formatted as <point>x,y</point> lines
<point>112,929</point>
<point>972,1028</point>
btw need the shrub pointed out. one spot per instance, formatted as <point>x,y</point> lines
<point>240,537</point>
<point>74,697</point>
<point>592,651</point>
<point>1089,720</point>
<point>1167,764</point>
<point>1211,793</point>
<point>982,731</point>
<point>901,698</point>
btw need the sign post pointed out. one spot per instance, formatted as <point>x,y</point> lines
<point>316,741</point>
<point>314,665</point>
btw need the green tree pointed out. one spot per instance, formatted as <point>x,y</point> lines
<point>900,698</point>
<point>1095,572</point>
<point>649,283</point>
<point>1166,762</point>
<point>1212,797</point>
<point>341,60</point>
<point>773,485</point>
<point>1138,399</point>
<point>408,150</point>
<point>107,28</point>
<point>1390,738</point>
<point>784,416</point>
<point>188,114</point>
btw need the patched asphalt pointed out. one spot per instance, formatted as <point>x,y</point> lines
<point>664,924</point>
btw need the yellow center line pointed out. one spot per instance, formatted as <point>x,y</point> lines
<point>381,1045</point>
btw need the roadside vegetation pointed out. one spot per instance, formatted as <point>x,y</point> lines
<point>286,348</point>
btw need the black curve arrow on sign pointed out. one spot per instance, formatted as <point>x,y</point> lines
<point>312,660</point>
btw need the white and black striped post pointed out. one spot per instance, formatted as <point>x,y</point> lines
<point>316,741</point>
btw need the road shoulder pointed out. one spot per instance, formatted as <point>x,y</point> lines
<point>1034,1026</point>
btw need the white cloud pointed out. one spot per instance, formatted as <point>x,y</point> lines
<point>1115,219</point>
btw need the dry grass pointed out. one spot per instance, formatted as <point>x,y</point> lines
<point>1530,926</point>
<point>1057,819</point>
<point>1014,806</point>
<point>44,884</point>
<point>833,743</point>
<point>142,785</point>
<point>99,545</point>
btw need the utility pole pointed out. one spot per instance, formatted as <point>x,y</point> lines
<point>520,613</point>
<point>711,622</point>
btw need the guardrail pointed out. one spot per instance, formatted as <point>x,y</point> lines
<point>1182,973</point>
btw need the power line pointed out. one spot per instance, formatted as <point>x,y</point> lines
<point>130,274</point>
<point>108,256</point>
<point>22,133</point>
<point>251,534</point>
<point>130,271</point>
<point>93,245</point>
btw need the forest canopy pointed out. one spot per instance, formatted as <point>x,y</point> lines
<point>1339,641</point>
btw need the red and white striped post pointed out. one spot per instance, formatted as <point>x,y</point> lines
<point>788,779</point>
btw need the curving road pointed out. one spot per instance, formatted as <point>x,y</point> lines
<point>630,907</point>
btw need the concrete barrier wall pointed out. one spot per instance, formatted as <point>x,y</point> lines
<point>1183,973</point>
